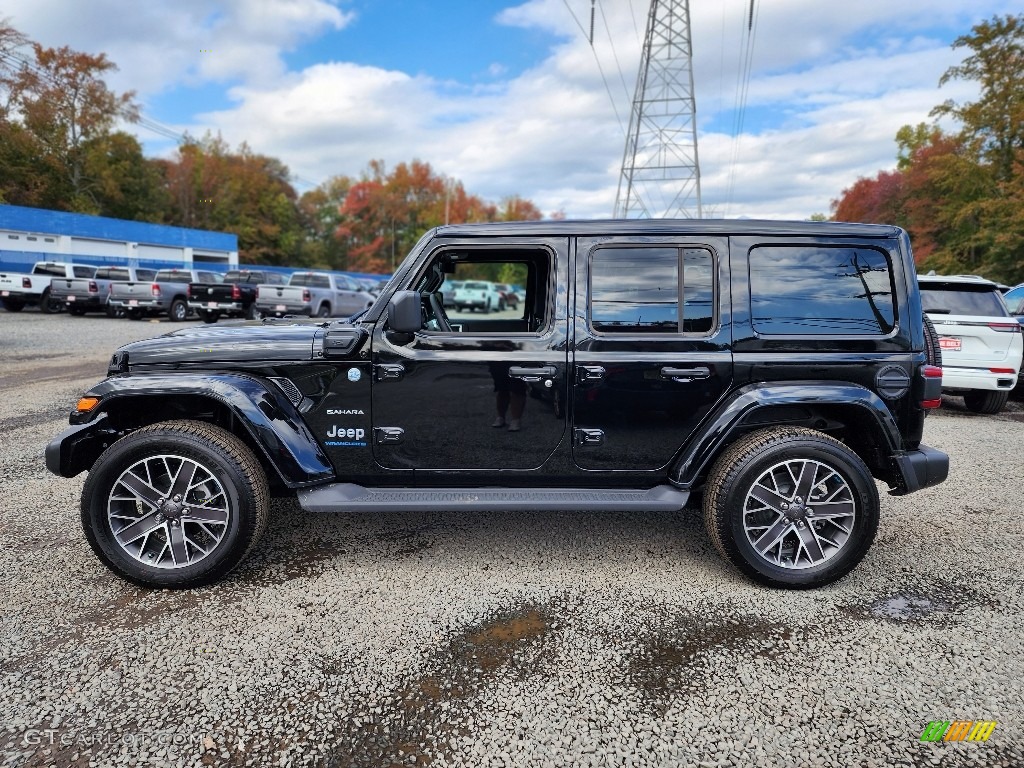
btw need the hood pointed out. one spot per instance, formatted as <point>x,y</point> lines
<point>249,343</point>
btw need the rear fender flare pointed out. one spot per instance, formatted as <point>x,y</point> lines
<point>723,425</point>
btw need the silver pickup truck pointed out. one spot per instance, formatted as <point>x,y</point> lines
<point>80,295</point>
<point>20,289</point>
<point>166,294</point>
<point>314,294</point>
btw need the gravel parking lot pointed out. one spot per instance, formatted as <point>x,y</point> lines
<point>527,639</point>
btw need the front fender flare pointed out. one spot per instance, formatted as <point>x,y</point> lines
<point>715,433</point>
<point>270,420</point>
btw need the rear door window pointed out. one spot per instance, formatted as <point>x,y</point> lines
<point>644,290</point>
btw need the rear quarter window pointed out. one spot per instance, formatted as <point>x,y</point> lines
<point>815,290</point>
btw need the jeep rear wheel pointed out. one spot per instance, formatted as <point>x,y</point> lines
<point>791,507</point>
<point>985,401</point>
<point>174,505</point>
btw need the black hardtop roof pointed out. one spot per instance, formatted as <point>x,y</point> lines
<point>598,227</point>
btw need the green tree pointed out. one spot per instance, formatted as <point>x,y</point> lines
<point>996,63</point>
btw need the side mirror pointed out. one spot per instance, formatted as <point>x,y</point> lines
<point>404,312</point>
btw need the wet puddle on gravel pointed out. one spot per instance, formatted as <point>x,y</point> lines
<point>906,607</point>
<point>412,728</point>
<point>669,663</point>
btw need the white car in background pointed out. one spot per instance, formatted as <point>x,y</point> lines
<point>478,294</point>
<point>982,344</point>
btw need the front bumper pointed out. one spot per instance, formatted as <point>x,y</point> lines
<point>920,469</point>
<point>76,448</point>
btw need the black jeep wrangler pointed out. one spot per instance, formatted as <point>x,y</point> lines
<point>775,369</point>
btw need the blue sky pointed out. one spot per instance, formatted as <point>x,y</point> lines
<point>509,97</point>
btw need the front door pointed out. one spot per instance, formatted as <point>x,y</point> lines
<point>473,391</point>
<point>651,347</point>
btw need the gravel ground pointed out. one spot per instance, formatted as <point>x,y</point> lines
<point>500,639</point>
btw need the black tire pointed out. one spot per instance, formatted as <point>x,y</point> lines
<point>487,307</point>
<point>76,311</point>
<point>324,310</point>
<point>735,475</point>
<point>932,348</point>
<point>209,317</point>
<point>49,306</point>
<point>178,311</point>
<point>251,313</point>
<point>243,486</point>
<point>986,401</point>
<point>115,311</point>
<point>134,314</point>
<point>501,305</point>
<point>11,305</point>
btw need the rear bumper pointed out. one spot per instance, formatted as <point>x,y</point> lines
<point>920,469</point>
<point>89,301</point>
<point>977,378</point>
<point>150,304</point>
<point>216,306</point>
<point>271,308</point>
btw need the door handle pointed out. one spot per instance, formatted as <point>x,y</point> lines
<point>585,373</point>
<point>589,436</point>
<point>390,371</point>
<point>532,374</point>
<point>685,374</point>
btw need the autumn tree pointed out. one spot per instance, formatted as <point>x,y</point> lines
<point>57,108</point>
<point>961,195</point>
<point>209,186</point>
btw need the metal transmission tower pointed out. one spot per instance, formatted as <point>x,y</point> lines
<point>660,173</point>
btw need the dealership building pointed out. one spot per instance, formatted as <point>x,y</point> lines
<point>28,235</point>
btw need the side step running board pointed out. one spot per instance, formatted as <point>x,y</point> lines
<point>344,497</point>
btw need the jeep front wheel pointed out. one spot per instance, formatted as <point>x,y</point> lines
<point>174,505</point>
<point>791,507</point>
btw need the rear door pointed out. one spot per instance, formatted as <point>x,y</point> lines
<point>651,345</point>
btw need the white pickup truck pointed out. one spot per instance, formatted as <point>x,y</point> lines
<point>314,294</point>
<point>17,290</point>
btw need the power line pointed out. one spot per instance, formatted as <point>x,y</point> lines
<point>748,34</point>
<point>611,42</point>
<point>600,69</point>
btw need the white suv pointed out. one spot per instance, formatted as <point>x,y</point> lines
<point>981,343</point>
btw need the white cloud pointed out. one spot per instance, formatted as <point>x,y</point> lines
<point>830,87</point>
<point>157,44</point>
